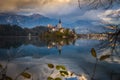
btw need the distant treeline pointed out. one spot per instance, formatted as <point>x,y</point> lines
<point>15,30</point>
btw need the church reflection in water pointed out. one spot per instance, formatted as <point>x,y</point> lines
<point>16,42</point>
<point>59,43</point>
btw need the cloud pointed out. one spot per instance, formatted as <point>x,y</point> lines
<point>84,15</point>
<point>110,17</point>
<point>68,10</point>
<point>59,7</point>
<point>91,15</point>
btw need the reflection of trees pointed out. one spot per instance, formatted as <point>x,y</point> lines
<point>9,42</point>
<point>16,42</point>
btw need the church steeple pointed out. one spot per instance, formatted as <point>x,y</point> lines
<point>60,21</point>
<point>59,24</point>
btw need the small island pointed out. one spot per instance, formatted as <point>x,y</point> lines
<point>58,32</point>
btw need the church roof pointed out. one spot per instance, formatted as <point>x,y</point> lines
<point>60,21</point>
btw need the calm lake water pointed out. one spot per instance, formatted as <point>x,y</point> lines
<point>75,55</point>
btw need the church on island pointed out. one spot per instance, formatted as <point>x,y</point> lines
<point>58,27</point>
<point>59,31</point>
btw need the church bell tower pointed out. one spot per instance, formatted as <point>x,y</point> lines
<point>59,24</point>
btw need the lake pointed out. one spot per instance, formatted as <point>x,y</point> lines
<point>75,55</point>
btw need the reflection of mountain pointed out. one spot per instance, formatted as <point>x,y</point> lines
<point>16,42</point>
<point>22,46</point>
<point>25,21</point>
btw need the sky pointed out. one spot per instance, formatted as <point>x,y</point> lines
<point>46,7</point>
<point>68,10</point>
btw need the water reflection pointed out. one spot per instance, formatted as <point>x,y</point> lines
<point>36,53</point>
<point>31,47</point>
<point>15,42</point>
<point>59,43</point>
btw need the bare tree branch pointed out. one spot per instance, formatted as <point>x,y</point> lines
<point>94,4</point>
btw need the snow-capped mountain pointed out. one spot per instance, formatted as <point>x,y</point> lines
<point>81,26</point>
<point>88,26</point>
<point>26,21</point>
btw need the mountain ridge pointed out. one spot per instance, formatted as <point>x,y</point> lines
<point>25,21</point>
<point>30,21</point>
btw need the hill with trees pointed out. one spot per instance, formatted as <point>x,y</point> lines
<point>15,30</point>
